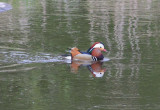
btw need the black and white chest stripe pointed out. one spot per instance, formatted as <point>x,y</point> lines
<point>94,58</point>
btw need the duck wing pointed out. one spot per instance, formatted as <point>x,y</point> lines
<point>85,57</point>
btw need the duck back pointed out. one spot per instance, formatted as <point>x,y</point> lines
<point>74,51</point>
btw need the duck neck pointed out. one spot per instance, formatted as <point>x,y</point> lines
<point>90,50</point>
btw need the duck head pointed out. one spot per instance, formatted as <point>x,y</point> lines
<point>98,45</point>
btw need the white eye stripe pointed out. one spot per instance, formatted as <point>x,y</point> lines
<point>99,46</point>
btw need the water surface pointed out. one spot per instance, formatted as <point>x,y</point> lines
<point>35,33</point>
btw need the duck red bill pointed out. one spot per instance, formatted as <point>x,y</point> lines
<point>104,50</point>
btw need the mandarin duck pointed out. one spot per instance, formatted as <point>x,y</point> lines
<point>94,53</point>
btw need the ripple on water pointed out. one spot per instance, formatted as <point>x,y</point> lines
<point>24,57</point>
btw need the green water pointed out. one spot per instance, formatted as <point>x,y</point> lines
<point>36,32</point>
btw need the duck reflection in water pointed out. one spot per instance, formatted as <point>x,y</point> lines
<point>95,67</point>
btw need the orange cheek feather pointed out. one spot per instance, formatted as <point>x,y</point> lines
<point>96,52</point>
